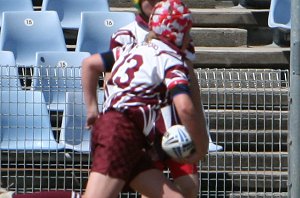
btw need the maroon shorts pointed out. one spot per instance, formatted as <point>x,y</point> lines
<point>177,169</point>
<point>118,147</point>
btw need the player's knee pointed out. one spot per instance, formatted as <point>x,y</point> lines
<point>188,185</point>
<point>190,192</point>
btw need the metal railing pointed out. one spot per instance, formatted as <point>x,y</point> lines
<point>247,112</point>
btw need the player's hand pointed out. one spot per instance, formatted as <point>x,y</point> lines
<point>91,118</point>
<point>193,158</point>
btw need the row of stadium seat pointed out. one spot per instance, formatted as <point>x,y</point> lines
<point>26,124</point>
<point>25,114</point>
<point>27,32</point>
<point>54,74</point>
<point>69,11</point>
<point>34,39</point>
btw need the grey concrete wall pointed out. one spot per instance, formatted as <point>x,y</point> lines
<point>190,3</point>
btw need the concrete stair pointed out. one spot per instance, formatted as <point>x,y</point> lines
<point>251,140</point>
<point>247,112</point>
<point>259,195</point>
<point>240,38</point>
<point>242,57</point>
<point>244,87</point>
<point>234,37</point>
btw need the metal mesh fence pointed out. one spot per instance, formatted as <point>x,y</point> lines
<point>247,112</point>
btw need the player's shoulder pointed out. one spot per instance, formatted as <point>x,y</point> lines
<point>165,50</point>
<point>158,51</point>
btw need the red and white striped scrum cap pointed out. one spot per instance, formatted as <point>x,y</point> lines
<point>171,19</point>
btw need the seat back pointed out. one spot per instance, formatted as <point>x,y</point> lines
<point>14,5</point>
<point>73,134</point>
<point>280,14</point>
<point>25,122</point>
<point>69,11</point>
<point>57,73</point>
<point>97,28</point>
<point>25,33</point>
<point>9,78</point>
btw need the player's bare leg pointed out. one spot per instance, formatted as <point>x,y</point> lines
<point>188,185</point>
<point>5,194</point>
<point>153,184</point>
<point>103,186</point>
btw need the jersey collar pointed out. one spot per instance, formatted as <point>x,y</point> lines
<point>141,21</point>
<point>172,45</point>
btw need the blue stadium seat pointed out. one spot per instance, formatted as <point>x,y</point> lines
<point>280,14</point>
<point>73,134</point>
<point>14,5</point>
<point>69,11</point>
<point>25,122</point>
<point>7,58</point>
<point>8,72</point>
<point>97,28</point>
<point>27,32</point>
<point>55,74</point>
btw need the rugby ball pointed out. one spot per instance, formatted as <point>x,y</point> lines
<point>177,142</point>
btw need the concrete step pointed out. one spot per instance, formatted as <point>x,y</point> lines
<point>128,3</point>
<point>213,184</point>
<point>223,184</point>
<point>259,181</point>
<point>258,36</point>
<point>243,57</point>
<point>38,170</point>
<point>253,21</point>
<point>29,179</point>
<point>245,161</point>
<point>206,37</point>
<point>251,140</point>
<point>242,78</point>
<point>228,117</point>
<point>230,17</point>
<point>264,89</point>
<point>274,57</point>
<point>189,3</point>
<point>245,99</point>
<point>226,3</point>
<point>251,24</point>
<point>259,195</point>
<point>221,119</point>
<point>219,37</point>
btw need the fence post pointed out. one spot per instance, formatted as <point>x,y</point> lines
<point>294,102</point>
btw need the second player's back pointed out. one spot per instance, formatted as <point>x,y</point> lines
<point>134,32</point>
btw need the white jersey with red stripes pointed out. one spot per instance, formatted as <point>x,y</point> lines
<point>141,76</point>
<point>134,32</point>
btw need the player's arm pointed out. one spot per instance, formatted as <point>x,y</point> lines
<point>195,96</point>
<point>193,119</point>
<point>189,50</point>
<point>92,67</point>
<point>194,87</point>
